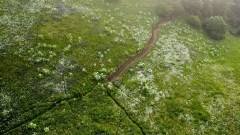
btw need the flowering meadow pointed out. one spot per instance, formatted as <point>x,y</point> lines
<point>185,85</point>
<point>55,57</point>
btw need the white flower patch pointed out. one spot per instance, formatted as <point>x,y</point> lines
<point>5,99</point>
<point>110,85</point>
<point>19,24</point>
<point>87,12</point>
<point>149,110</point>
<point>46,129</point>
<point>143,97</point>
<point>66,49</point>
<point>171,53</point>
<point>140,35</point>
<point>98,75</point>
<point>35,6</point>
<point>138,97</point>
<point>32,125</point>
<point>123,91</point>
<point>109,30</point>
<point>60,87</point>
<point>131,96</point>
<point>148,113</point>
<point>187,117</point>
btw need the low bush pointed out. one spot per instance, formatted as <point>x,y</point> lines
<point>194,21</point>
<point>216,27</point>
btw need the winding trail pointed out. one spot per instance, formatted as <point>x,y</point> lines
<point>155,33</point>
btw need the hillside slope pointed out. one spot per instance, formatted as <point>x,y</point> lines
<point>56,55</point>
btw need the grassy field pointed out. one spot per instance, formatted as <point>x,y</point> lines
<point>55,57</point>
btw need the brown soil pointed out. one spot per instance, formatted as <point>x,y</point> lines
<point>144,52</point>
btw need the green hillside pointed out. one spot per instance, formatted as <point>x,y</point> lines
<point>55,57</point>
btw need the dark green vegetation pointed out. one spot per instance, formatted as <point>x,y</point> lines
<point>194,21</point>
<point>216,27</point>
<point>204,9</point>
<point>55,57</point>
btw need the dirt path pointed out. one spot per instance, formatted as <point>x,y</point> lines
<point>155,33</point>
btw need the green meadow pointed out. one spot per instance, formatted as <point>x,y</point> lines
<point>55,57</point>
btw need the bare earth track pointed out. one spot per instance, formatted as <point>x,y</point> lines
<point>144,52</point>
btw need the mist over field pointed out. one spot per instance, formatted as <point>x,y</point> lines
<point>103,67</point>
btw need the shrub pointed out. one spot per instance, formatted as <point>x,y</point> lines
<point>216,27</point>
<point>164,9</point>
<point>194,21</point>
<point>193,6</point>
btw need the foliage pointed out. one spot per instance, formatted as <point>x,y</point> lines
<point>216,27</point>
<point>225,7</point>
<point>193,6</point>
<point>164,9</point>
<point>232,19</point>
<point>178,7</point>
<point>228,9</point>
<point>234,14</point>
<point>207,9</point>
<point>194,21</point>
